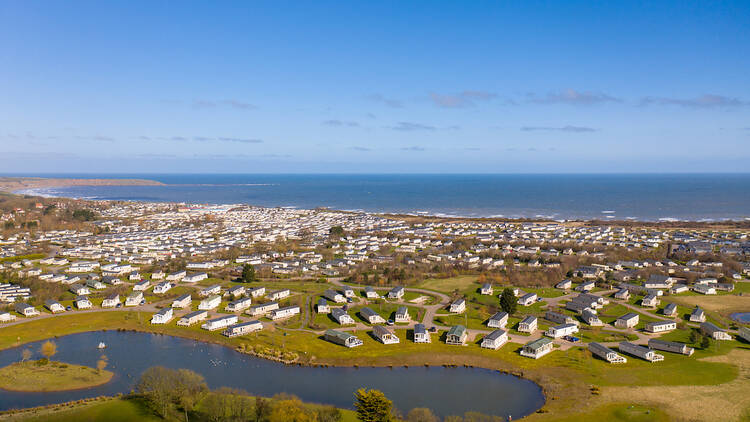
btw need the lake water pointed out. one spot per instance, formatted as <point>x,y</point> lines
<point>447,391</point>
<point>741,317</point>
<point>648,197</point>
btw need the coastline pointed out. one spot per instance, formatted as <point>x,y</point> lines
<point>18,184</point>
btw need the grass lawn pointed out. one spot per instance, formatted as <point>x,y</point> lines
<point>616,412</point>
<point>50,376</point>
<point>112,410</point>
<point>448,285</point>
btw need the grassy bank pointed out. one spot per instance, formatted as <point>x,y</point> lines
<point>45,376</point>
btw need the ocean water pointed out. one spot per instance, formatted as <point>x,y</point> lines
<point>646,197</point>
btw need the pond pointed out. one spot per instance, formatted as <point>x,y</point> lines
<point>743,317</point>
<point>447,391</point>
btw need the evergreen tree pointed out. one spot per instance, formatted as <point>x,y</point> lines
<point>373,406</point>
<point>508,301</point>
<point>248,273</point>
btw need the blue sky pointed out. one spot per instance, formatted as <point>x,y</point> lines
<point>530,87</point>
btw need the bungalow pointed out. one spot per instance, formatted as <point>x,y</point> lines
<point>95,284</point>
<point>396,293</point>
<point>142,285</point>
<point>578,306</point>
<point>622,294</point>
<point>370,293</point>
<point>589,317</point>
<point>111,301</point>
<point>236,291</point>
<point>744,333</point>
<point>384,335</point>
<point>25,309</point>
<point>486,289</point>
<point>54,306</point>
<point>134,299</point>
<point>650,301</point>
<point>499,320</point>
<point>335,296</point>
<point>194,278</point>
<point>79,289</point>
<point>706,289</point>
<point>158,275</point>
<point>342,317</point>
<point>697,315</point>
<point>527,299</point>
<point>210,291</point>
<point>537,348</point>
<point>604,352</point>
<point>243,328</point>
<point>528,324</point>
<point>716,333</point>
<point>279,294</point>
<point>422,336</point>
<point>495,339</point>
<point>564,285</point>
<point>342,338</point>
<point>660,326</point>
<point>458,306</point>
<point>163,316</point>
<point>349,292</point>
<point>678,288</point>
<point>163,287</point>
<point>323,307</point>
<point>7,317</point>
<point>640,351</point>
<point>371,316</point>
<point>586,286</point>
<point>670,346</point>
<point>192,318</point>
<point>285,312</point>
<point>628,320</point>
<point>219,323</point>
<point>402,315</point>
<point>670,310</point>
<point>209,303</point>
<point>177,276</point>
<point>113,281</point>
<point>183,301</point>
<point>559,318</point>
<point>456,335</point>
<point>562,330</point>
<point>239,305</point>
<point>262,309</point>
<point>83,302</point>
<point>257,292</point>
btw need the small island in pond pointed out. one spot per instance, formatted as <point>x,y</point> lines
<point>43,376</point>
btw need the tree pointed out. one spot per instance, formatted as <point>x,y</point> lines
<point>248,273</point>
<point>289,410</point>
<point>421,414</point>
<point>372,406</point>
<point>262,409</point>
<point>189,389</point>
<point>329,414</point>
<point>49,349</point>
<point>25,355</point>
<point>705,342</point>
<point>157,387</point>
<point>694,336</point>
<point>336,231</point>
<point>508,301</point>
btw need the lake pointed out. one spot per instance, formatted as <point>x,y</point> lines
<point>447,391</point>
<point>743,317</point>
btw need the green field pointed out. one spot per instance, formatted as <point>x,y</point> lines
<point>50,376</point>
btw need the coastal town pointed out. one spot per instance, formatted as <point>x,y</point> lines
<point>234,270</point>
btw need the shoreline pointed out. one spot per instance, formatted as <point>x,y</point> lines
<point>17,184</point>
<point>606,218</point>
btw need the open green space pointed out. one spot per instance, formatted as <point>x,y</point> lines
<point>43,375</point>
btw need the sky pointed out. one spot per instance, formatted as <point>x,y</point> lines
<point>374,87</point>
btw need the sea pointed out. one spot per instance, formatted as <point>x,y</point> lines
<point>642,197</point>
